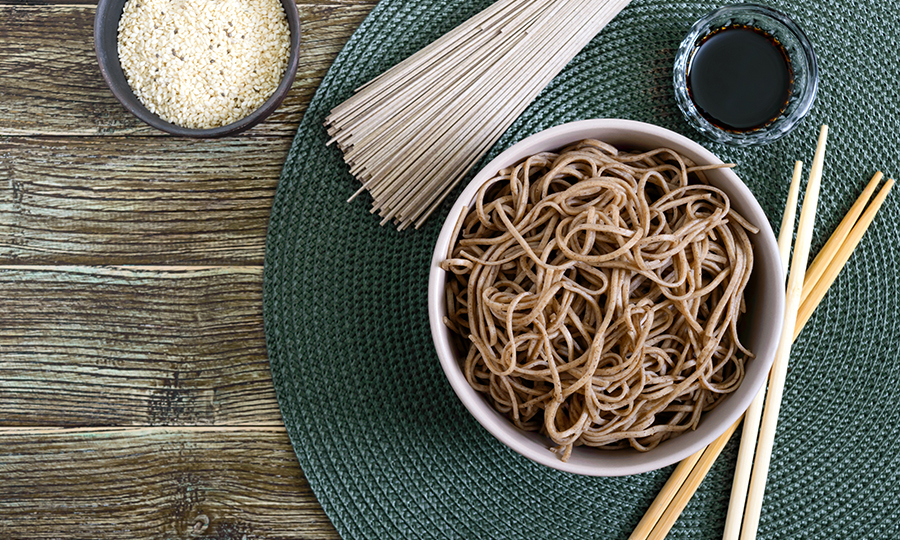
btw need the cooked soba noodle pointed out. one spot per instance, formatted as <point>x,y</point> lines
<point>598,294</point>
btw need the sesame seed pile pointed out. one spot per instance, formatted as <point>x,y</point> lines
<point>203,63</point>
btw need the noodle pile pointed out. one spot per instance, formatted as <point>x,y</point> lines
<point>598,294</point>
<point>410,135</point>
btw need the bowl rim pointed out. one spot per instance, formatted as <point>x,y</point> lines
<point>126,96</point>
<point>488,417</point>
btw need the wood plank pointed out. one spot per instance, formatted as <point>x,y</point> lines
<point>53,86</point>
<point>47,2</point>
<point>119,346</point>
<point>156,483</point>
<point>126,200</point>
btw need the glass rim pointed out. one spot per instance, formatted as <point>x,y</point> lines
<point>781,126</point>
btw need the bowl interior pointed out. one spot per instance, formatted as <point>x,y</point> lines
<point>106,43</point>
<point>760,326</point>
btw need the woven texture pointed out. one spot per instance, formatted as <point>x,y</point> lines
<point>390,451</point>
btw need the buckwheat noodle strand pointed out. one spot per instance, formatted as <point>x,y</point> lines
<point>413,133</point>
<point>597,294</point>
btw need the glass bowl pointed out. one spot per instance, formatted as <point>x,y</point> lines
<point>796,45</point>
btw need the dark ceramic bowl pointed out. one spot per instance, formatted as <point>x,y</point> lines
<point>106,30</point>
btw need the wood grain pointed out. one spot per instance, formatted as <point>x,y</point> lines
<point>103,346</point>
<point>145,200</point>
<point>90,347</point>
<point>155,483</point>
<point>50,83</point>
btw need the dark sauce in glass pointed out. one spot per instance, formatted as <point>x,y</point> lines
<point>740,78</point>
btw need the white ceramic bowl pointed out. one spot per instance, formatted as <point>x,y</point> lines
<point>760,326</point>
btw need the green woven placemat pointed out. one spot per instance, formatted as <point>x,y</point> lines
<point>387,447</point>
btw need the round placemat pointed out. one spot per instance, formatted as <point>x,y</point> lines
<point>387,447</point>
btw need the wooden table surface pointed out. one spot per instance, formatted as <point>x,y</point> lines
<point>135,390</point>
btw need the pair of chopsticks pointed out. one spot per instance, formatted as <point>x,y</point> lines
<point>805,290</point>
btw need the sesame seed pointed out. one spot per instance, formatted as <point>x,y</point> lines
<point>187,92</point>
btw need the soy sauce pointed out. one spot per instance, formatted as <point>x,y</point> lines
<point>740,78</point>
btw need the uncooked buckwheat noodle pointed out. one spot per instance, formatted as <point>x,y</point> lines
<point>413,133</point>
<point>598,293</point>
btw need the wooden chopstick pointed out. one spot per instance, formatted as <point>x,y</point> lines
<point>691,481</point>
<point>754,412</point>
<point>692,475</point>
<point>779,367</point>
<point>845,236</point>
<point>690,472</point>
<point>666,494</point>
<point>712,451</point>
<point>842,255</point>
<point>830,249</point>
<point>786,233</point>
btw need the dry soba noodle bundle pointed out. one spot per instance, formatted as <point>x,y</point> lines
<point>598,293</point>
